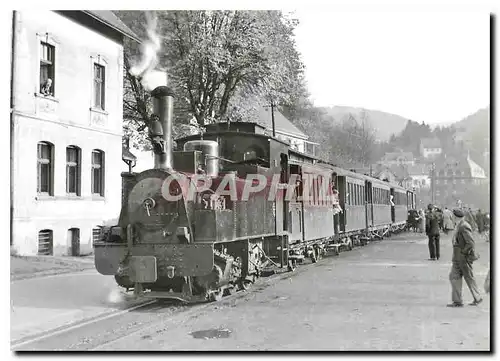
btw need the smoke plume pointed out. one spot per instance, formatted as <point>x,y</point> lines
<point>145,70</point>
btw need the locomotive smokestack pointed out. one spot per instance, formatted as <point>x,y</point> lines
<point>161,129</point>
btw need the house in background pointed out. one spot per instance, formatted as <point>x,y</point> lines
<point>397,158</point>
<point>458,177</point>
<point>430,148</point>
<point>420,176</point>
<point>285,130</point>
<point>66,128</point>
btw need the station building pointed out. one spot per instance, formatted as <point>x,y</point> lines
<point>66,128</point>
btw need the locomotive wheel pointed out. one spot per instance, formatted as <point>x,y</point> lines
<point>124,281</point>
<point>244,285</point>
<point>216,295</point>
<point>228,291</point>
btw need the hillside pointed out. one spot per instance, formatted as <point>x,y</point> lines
<point>385,124</point>
<point>478,122</point>
<point>475,132</point>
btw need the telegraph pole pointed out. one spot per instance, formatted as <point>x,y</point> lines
<point>272,118</point>
<point>433,181</point>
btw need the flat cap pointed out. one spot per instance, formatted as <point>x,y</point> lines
<point>458,213</point>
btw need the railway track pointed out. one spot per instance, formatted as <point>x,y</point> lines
<point>105,329</point>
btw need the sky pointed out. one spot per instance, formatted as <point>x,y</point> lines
<point>425,66</point>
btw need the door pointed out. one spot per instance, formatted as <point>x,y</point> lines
<point>74,241</point>
<point>392,198</point>
<point>369,204</point>
<point>284,176</point>
<point>342,200</point>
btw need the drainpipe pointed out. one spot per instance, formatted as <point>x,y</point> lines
<point>12,126</point>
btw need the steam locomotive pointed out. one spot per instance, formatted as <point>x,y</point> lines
<point>211,218</point>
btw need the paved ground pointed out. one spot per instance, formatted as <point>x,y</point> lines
<point>385,296</point>
<point>45,303</point>
<point>36,266</point>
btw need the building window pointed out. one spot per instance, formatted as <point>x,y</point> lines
<point>45,245</point>
<point>73,170</point>
<point>47,66</point>
<point>98,172</point>
<point>96,235</point>
<point>44,168</point>
<point>99,86</point>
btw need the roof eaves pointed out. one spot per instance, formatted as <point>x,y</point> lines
<point>130,34</point>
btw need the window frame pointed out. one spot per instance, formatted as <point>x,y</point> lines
<point>102,168</point>
<point>99,83</point>
<point>78,167</point>
<point>50,162</point>
<point>51,49</point>
<point>50,234</point>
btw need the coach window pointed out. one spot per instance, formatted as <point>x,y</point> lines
<point>348,193</point>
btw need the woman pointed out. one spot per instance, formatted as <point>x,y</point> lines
<point>421,226</point>
<point>448,221</point>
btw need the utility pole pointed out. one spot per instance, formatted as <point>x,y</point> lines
<point>433,181</point>
<point>272,118</point>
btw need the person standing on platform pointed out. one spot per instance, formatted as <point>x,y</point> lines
<point>448,223</point>
<point>432,231</point>
<point>421,221</point>
<point>464,255</point>
<point>480,221</point>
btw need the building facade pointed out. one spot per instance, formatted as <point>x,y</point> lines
<point>398,158</point>
<point>66,128</point>
<point>459,178</point>
<point>430,148</point>
<point>420,176</point>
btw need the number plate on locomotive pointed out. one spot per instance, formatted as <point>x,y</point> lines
<point>143,269</point>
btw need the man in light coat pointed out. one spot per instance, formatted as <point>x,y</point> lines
<point>448,222</point>
<point>464,255</point>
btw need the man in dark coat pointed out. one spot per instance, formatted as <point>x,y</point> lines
<point>480,221</point>
<point>432,231</point>
<point>464,254</point>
